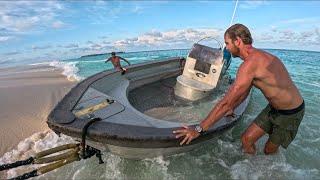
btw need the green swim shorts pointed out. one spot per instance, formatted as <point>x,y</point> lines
<point>281,125</point>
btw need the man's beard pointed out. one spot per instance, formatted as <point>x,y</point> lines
<point>236,53</point>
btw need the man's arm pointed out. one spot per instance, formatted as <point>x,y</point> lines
<point>125,60</point>
<point>235,95</point>
<point>237,92</point>
<point>109,59</point>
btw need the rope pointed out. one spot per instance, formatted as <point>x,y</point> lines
<point>234,12</point>
<point>48,168</point>
<point>17,164</point>
<point>26,175</point>
<point>224,45</point>
<point>232,18</point>
<point>55,161</point>
<point>55,149</point>
<point>84,134</point>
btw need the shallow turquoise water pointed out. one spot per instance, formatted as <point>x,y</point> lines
<point>90,65</point>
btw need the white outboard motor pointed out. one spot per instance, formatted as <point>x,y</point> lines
<point>201,72</point>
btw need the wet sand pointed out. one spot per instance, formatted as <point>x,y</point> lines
<point>27,95</point>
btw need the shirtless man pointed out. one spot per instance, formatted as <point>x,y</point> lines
<point>282,116</point>
<point>116,62</point>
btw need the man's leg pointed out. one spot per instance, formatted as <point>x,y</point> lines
<point>270,148</point>
<point>249,138</point>
<point>123,70</point>
<point>283,133</point>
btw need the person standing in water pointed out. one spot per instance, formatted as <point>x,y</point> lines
<point>280,118</point>
<point>116,62</point>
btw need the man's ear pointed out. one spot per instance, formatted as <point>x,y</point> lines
<point>238,41</point>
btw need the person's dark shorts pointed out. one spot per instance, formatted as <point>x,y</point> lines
<point>281,125</point>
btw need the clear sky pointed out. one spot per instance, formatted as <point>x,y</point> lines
<point>53,30</point>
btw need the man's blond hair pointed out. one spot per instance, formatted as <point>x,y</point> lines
<point>241,31</point>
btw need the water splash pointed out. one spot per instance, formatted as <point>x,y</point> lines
<point>70,69</point>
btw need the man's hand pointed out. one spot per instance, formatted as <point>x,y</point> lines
<point>230,114</point>
<point>188,133</point>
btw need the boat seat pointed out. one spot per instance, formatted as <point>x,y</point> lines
<point>201,73</point>
<point>194,84</point>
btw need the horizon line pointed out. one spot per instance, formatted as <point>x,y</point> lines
<point>99,54</point>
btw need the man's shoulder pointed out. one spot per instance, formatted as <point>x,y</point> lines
<point>260,54</point>
<point>256,53</point>
<point>256,56</point>
<point>248,66</point>
<point>250,61</point>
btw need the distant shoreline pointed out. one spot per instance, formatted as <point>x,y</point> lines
<point>100,54</point>
<point>5,66</point>
<point>188,49</point>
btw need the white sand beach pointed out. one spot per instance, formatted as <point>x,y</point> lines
<point>27,95</point>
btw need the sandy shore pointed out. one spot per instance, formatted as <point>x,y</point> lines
<point>27,95</point>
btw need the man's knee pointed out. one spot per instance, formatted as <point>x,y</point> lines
<point>246,139</point>
<point>270,148</point>
<point>252,134</point>
<point>248,144</point>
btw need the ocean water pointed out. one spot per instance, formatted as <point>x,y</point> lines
<point>222,158</point>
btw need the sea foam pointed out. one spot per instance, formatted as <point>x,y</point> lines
<point>70,69</point>
<point>269,167</point>
<point>29,147</point>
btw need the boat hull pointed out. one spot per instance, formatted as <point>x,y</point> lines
<point>125,129</point>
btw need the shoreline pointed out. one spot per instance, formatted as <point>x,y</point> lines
<point>27,95</point>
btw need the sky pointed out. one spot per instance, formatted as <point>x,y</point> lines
<point>58,30</point>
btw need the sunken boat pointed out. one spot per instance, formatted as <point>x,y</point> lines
<point>129,111</point>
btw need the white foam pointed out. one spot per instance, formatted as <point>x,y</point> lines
<point>222,163</point>
<point>158,164</point>
<point>29,147</point>
<point>138,58</point>
<point>268,167</point>
<point>41,63</point>
<point>317,140</point>
<point>69,69</point>
<point>92,61</point>
<point>112,163</point>
<point>78,173</point>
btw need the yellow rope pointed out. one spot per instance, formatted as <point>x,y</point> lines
<point>55,165</point>
<point>55,149</point>
<point>50,159</point>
